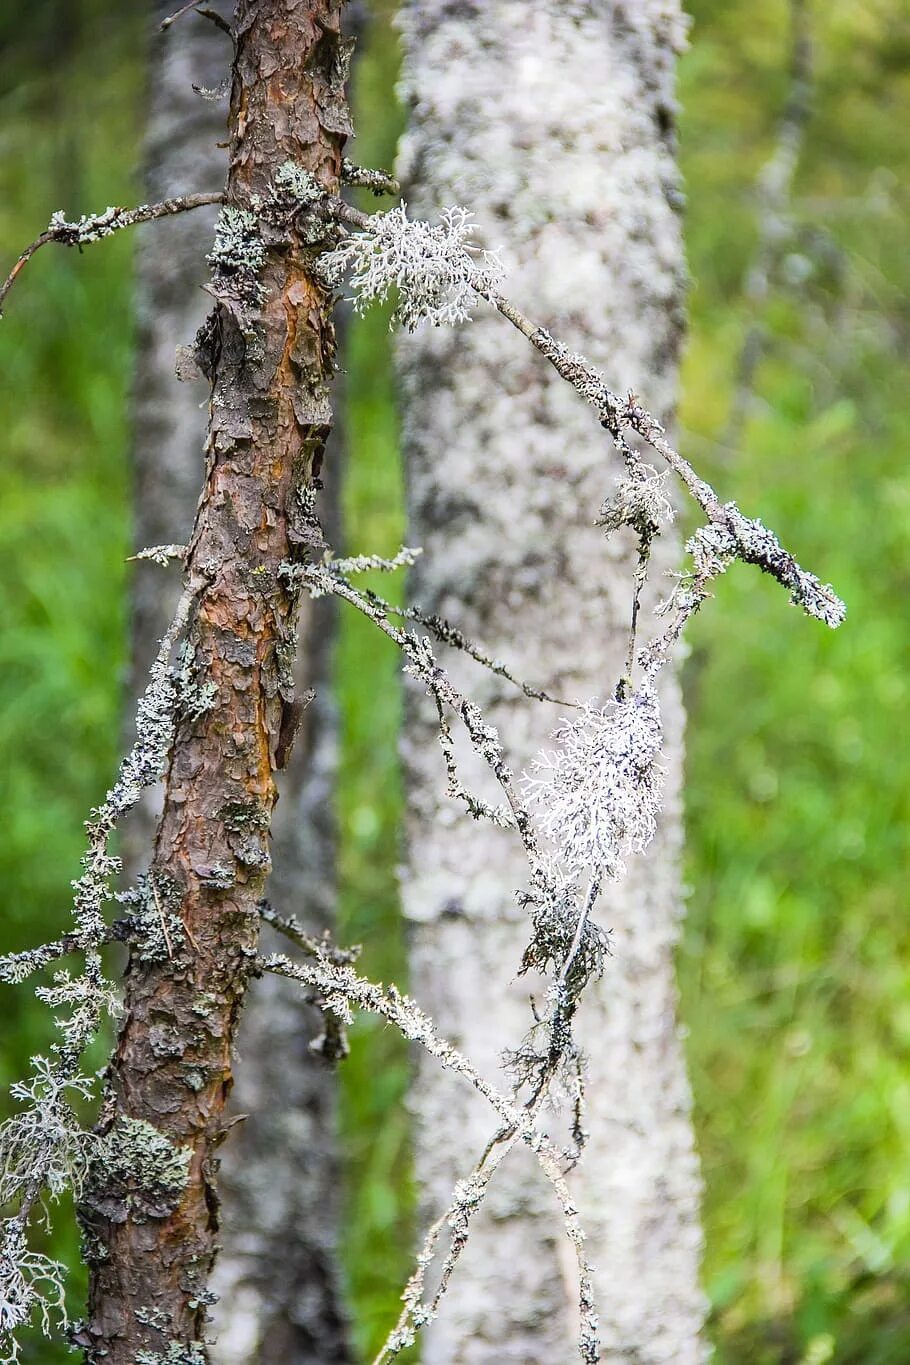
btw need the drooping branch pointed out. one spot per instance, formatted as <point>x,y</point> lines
<point>206,13</point>
<point>94,227</point>
<point>319,580</point>
<point>443,630</point>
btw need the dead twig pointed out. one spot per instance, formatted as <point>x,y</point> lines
<point>94,227</point>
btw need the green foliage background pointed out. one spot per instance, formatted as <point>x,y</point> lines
<point>795,965</point>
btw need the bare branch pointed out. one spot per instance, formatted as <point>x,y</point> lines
<point>207,13</point>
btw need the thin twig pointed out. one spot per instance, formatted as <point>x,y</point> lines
<point>206,14</point>
<point>587,907</point>
<point>158,554</point>
<point>423,664</point>
<point>639,579</point>
<point>15,967</point>
<point>291,928</point>
<point>364,177</point>
<point>447,634</point>
<point>162,918</point>
<point>217,20</point>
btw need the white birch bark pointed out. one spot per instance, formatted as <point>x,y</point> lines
<point>553,121</point>
<point>276,1276</point>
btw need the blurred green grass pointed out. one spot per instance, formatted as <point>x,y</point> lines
<point>71,85</point>
<point>796,960</point>
<point>379,1231</point>
<point>794,966</point>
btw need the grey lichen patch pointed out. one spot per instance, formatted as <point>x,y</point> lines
<point>247,824</point>
<point>194,1079</point>
<point>196,692</point>
<point>204,1004</point>
<point>237,256</point>
<point>177,1353</point>
<point>244,815</point>
<point>205,1298</point>
<point>217,876</point>
<point>137,1170</point>
<point>153,1317</point>
<point>296,199</point>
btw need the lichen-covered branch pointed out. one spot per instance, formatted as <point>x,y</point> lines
<point>436,272</point>
<point>339,990</point>
<point>366,178</point>
<point>96,226</point>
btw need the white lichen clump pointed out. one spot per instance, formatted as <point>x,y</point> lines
<point>599,790</point>
<point>641,499</point>
<point>90,227</point>
<point>44,1142</point>
<point>31,1285</point>
<point>436,268</point>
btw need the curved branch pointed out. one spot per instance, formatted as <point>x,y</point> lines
<point>95,226</point>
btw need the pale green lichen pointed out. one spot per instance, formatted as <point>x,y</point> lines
<point>177,1353</point>
<point>154,924</point>
<point>238,255</point>
<point>294,180</point>
<point>137,1165</point>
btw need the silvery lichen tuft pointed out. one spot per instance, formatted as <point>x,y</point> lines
<point>435,268</point>
<point>641,500</point>
<point>599,790</point>
<point>31,1286</point>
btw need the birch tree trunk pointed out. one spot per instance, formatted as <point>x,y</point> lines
<point>554,123</point>
<point>151,1241</point>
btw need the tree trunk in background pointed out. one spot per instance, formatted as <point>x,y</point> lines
<point>276,1278</point>
<point>554,123</point>
<point>150,1243</point>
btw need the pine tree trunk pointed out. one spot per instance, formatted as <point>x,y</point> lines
<point>554,123</point>
<point>151,1232</point>
<point>181,153</point>
<point>276,1276</point>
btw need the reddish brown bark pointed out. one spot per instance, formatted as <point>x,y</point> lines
<point>150,1246</point>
